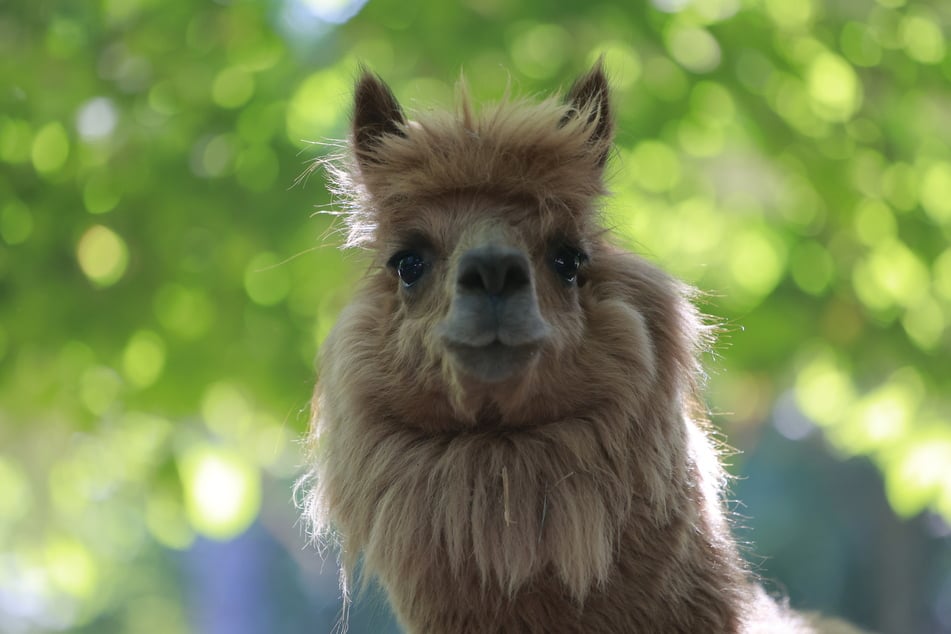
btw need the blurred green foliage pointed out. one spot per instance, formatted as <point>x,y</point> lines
<point>164,285</point>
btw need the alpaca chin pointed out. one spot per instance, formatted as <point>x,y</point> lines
<point>494,362</point>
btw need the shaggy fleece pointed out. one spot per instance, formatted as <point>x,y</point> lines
<point>583,493</point>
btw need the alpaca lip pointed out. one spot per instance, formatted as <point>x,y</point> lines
<point>493,362</point>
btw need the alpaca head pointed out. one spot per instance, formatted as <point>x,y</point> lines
<point>483,225</point>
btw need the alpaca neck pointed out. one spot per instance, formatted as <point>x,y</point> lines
<point>666,579</point>
<point>487,528</point>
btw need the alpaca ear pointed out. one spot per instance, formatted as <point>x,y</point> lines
<point>590,95</point>
<point>376,113</point>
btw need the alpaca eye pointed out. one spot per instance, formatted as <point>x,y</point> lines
<point>409,265</point>
<point>567,261</point>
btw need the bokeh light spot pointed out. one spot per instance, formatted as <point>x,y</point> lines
<point>891,274</point>
<point>232,88</point>
<point>936,192</point>
<point>103,255</point>
<point>859,45</point>
<point>222,491</point>
<point>900,186</point>
<point>664,79</point>
<point>874,222</point>
<point>757,261</point>
<point>925,323</point>
<point>790,15</point>
<point>71,566</point>
<point>50,148</point>
<point>867,167</point>
<point>712,102</point>
<point>334,11</point>
<point>833,87</point>
<point>540,50</point>
<point>16,222</point>
<point>16,140</point>
<point>670,6</point>
<point>884,415</point>
<point>319,106</point>
<point>624,62</point>
<point>788,97</point>
<point>96,119</point>
<point>100,194</point>
<point>812,267</point>
<point>225,410</point>
<point>143,358</point>
<point>707,227</point>
<point>923,39</point>
<point>716,10</point>
<point>824,391</point>
<point>163,98</point>
<point>655,166</point>
<point>917,470</point>
<point>942,275</point>
<point>261,51</point>
<point>699,138</point>
<point>212,157</point>
<point>694,48</point>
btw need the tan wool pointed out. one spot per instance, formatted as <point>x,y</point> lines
<point>507,428</point>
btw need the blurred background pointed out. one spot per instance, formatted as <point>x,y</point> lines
<point>165,281</point>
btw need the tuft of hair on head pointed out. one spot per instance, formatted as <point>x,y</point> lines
<point>464,103</point>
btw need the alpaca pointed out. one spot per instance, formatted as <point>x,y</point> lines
<point>507,426</point>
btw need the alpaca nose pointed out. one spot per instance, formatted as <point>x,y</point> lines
<point>493,270</point>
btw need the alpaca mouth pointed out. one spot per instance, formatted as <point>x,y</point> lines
<point>493,362</point>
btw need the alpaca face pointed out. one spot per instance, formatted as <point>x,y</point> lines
<point>484,229</point>
<point>485,283</point>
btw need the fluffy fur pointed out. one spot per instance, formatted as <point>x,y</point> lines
<point>580,492</point>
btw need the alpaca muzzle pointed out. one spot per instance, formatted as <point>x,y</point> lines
<point>494,327</point>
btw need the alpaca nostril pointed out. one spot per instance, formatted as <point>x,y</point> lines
<point>495,271</point>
